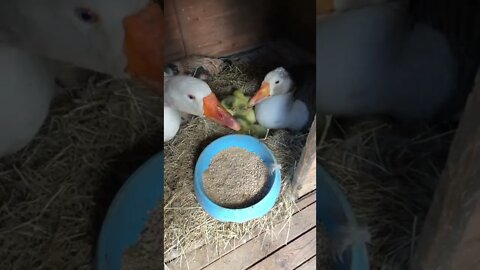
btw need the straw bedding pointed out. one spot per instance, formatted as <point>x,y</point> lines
<point>187,225</point>
<point>389,172</point>
<point>55,193</point>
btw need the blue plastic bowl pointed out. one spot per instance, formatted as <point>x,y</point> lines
<point>256,210</point>
<point>129,212</point>
<point>334,210</point>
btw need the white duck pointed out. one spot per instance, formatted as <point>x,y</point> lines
<point>192,96</point>
<point>118,37</point>
<point>375,61</point>
<point>286,98</point>
<point>122,38</point>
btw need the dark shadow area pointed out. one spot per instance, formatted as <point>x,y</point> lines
<point>124,166</point>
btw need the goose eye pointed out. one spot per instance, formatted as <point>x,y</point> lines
<point>86,15</point>
<point>191,97</point>
<point>277,82</point>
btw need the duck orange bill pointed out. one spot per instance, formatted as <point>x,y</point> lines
<point>143,45</point>
<point>261,94</point>
<point>214,111</point>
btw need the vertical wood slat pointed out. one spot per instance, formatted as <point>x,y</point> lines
<point>450,237</point>
<point>305,177</point>
<point>174,46</point>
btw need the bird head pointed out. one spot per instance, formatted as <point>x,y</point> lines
<point>276,82</point>
<point>122,38</point>
<point>193,96</point>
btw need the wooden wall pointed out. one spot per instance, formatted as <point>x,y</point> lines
<point>214,27</point>
<point>225,27</point>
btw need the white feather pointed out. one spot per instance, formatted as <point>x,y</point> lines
<point>347,236</point>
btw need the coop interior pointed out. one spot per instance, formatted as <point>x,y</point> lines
<point>403,179</point>
<point>232,45</point>
<point>56,191</point>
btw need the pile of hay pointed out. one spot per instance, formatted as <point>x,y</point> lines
<point>389,172</point>
<point>54,194</point>
<point>187,225</point>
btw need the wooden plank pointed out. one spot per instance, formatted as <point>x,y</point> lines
<point>259,247</point>
<point>292,255</point>
<point>309,265</point>
<point>204,255</point>
<point>173,45</point>
<point>305,177</point>
<point>450,237</point>
<point>467,256</point>
<point>222,27</point>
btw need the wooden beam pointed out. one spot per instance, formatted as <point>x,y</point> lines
<point>451,235</point>
<point>305,177</point>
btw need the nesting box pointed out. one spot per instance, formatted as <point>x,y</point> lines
<point>218,28</point>
<point>265,33</point>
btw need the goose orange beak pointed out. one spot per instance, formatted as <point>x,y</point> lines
<point>143,45</point>
<point>214,111</point>
<point>261,94</point>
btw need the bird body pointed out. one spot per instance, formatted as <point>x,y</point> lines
<point>286,98</point>
<point>271,113</point>
<point>374,60</point>
<point>121,38</point>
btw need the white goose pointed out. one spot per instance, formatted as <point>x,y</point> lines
<point>189,95</point>
<point>118,37</point>
<point>375,61</point>
<point>286,98</point>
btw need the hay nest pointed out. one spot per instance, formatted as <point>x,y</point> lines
<point>55,192</point>
<point>389,172</point>
<point>187,225</point>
